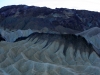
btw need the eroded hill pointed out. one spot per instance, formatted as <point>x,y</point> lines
<point>43,41</point>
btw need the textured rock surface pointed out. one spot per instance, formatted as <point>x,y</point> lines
<point>44,41</point>
<point>49,54</point>
<point>12,36</point>
<point>92,36</point>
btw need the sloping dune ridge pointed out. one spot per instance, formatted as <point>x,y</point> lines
<point>43,41</point>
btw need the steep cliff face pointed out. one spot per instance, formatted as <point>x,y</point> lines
<point>44,41</point>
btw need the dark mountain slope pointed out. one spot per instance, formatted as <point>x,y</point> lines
<point>25,17</point>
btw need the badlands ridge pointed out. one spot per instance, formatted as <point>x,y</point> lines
<point>43,41</point>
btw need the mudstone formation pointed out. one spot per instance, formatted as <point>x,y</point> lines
<point>43,41</point>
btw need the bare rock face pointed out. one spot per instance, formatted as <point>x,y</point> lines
<point>49,54</point>
<point>12,36</point>
<point>92,36</point>
<point>43,41</point>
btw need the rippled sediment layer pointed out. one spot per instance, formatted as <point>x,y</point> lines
<point>49,54</point>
